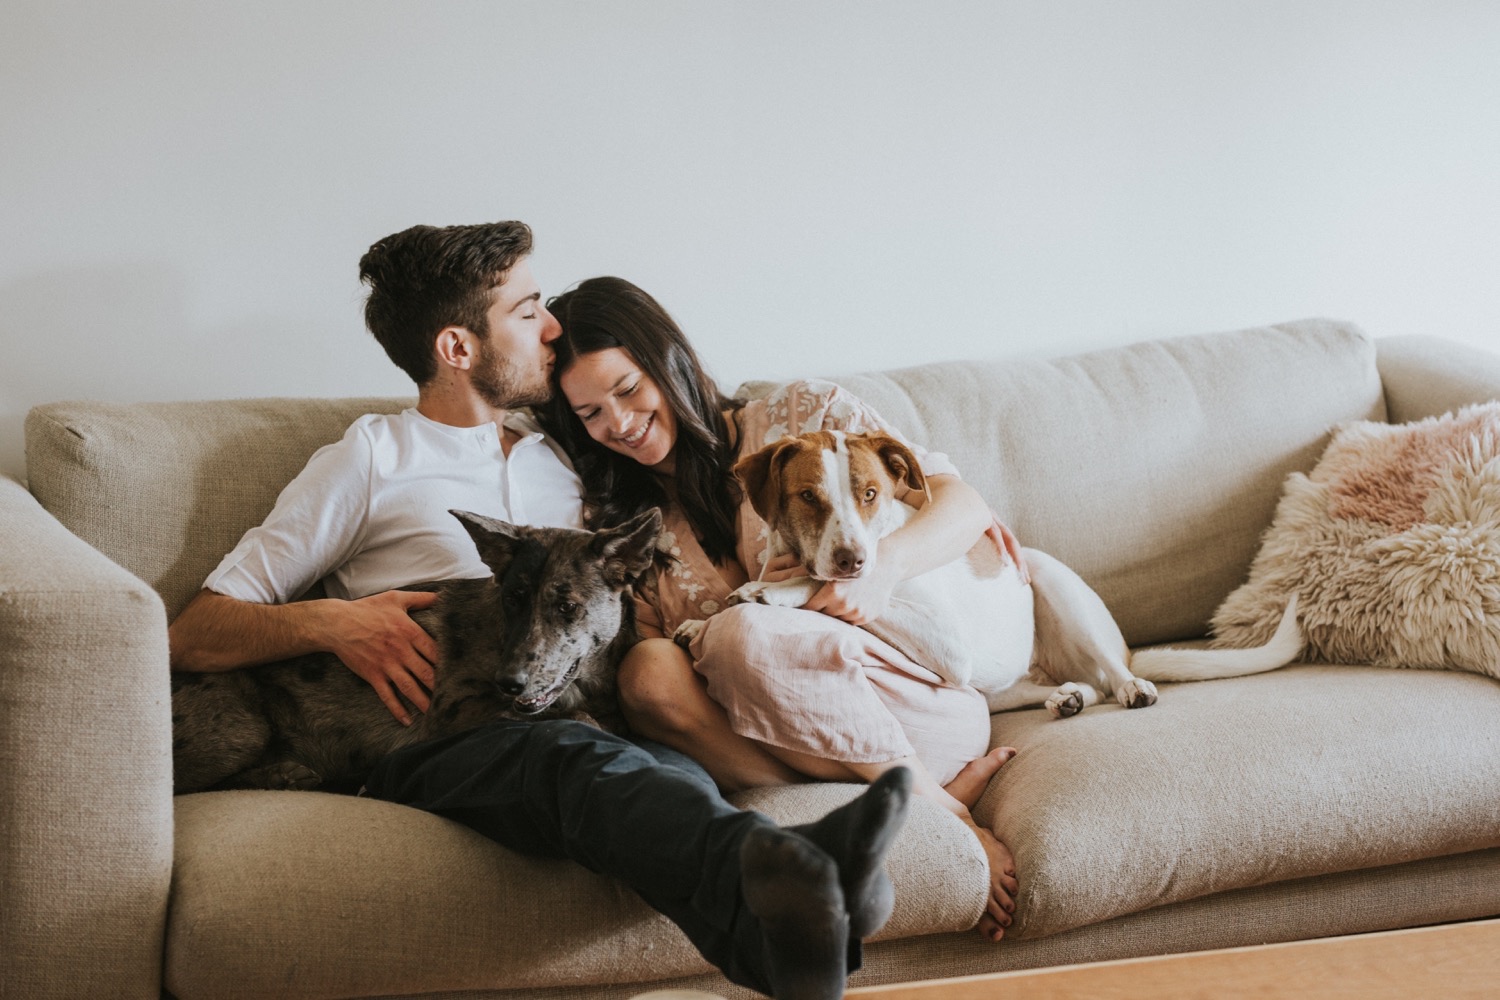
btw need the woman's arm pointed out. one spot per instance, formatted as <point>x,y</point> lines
<point>943,529</point>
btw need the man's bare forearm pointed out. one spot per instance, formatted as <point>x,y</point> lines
<point>215,632</point>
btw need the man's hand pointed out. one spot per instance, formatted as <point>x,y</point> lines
<point>377,639</point>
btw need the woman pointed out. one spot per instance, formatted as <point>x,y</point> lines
<point>765,695</point>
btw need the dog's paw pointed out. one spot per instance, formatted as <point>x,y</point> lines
<point>1067,700</point>
<point>753,592</point>
<point>781,594</point>
<point>688,631</point>
<point>1136,693</point>
<point>287,775</point>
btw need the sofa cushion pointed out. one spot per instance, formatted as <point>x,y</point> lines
<point>1074,452</point>
<point>166,489</point>
<point>1234,783</point>
<point>305,894</point>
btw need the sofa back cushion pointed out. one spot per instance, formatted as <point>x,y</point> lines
<point>1150,469</point>
<point>166,489</point>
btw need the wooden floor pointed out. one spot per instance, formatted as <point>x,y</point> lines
<point>1451,962</point>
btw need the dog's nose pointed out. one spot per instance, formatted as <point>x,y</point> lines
<point>511,684</point>
<point>848,561</point>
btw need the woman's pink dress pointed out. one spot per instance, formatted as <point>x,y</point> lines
<point>798,679</point>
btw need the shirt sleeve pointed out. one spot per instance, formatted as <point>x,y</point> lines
<point>316,526</point>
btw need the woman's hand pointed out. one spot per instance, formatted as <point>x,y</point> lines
<point>784,567</point>
<point>1007,542</point>
<point>857,601</point>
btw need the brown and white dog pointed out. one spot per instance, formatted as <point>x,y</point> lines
<point>829,497</point>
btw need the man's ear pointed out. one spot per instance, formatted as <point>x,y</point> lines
<point>496,540</point>
<point>760,474</point>
<point>898,458</point>
<point>629,550</point>
<point>457,347</point>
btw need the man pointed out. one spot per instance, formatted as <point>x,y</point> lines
<point>457,308</point>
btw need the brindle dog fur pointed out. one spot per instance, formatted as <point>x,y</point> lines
<point>540,638</point>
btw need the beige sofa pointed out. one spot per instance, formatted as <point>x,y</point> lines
<point>1308,802</point>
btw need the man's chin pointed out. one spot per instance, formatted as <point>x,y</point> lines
<point>516,398</point>
<point>534,399</point>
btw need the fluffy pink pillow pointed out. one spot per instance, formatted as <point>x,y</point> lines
<point>1393,545</point>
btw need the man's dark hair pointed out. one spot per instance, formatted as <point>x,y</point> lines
<point>426,278</point>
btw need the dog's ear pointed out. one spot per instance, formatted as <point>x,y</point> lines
<point>898,458</point>
<point>495,539</point>
<point>760,474</point>
<point>628,550</point>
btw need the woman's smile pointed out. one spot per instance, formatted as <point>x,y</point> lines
<point>634,439</point>
<point>621,406</point>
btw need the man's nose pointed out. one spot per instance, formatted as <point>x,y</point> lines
<point>551,328</point>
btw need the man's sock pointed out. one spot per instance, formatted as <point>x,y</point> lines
<point>792,887</point>
<point>857,837</point>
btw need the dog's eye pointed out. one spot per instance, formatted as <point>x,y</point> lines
<point>566,608</point>
<point>809,496</point>
<point>870,495</point>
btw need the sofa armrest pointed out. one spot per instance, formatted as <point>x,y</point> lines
<point>85,765</point>
<point>1427,376</point>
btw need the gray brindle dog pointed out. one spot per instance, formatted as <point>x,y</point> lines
<point>540,638</point>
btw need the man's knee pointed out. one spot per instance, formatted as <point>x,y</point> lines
<point>550,736</point>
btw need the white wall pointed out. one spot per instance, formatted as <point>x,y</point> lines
<point>811,187</point>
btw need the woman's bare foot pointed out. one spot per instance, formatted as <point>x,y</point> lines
<point>971,782</point>
<point>1003,885</point>
<point>999,910</point>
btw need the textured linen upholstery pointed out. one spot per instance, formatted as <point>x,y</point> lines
<point>1299,782</point>
<point>400,900</point>
<point>1074,453</point>
<point>166,489</point>
<point>1428,376</point>
<point>85,765</point>
<point>1457,887</point>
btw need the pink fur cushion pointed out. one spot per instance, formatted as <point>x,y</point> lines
<point>1393,545</point>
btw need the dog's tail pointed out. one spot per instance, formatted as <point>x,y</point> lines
<point>1214,664</point>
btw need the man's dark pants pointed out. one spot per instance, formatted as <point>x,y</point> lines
<point>635,810</point>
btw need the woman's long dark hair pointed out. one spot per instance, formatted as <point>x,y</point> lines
<point>601,313</point>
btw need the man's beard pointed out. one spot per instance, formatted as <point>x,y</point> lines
<point>503,386</point>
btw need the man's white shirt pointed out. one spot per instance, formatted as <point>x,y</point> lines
<point>370,512</point>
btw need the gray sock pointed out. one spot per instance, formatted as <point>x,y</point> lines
<point>857,837</point>
<point>792,886</point>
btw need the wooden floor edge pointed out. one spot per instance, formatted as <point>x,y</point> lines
<point>1455,960</point>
